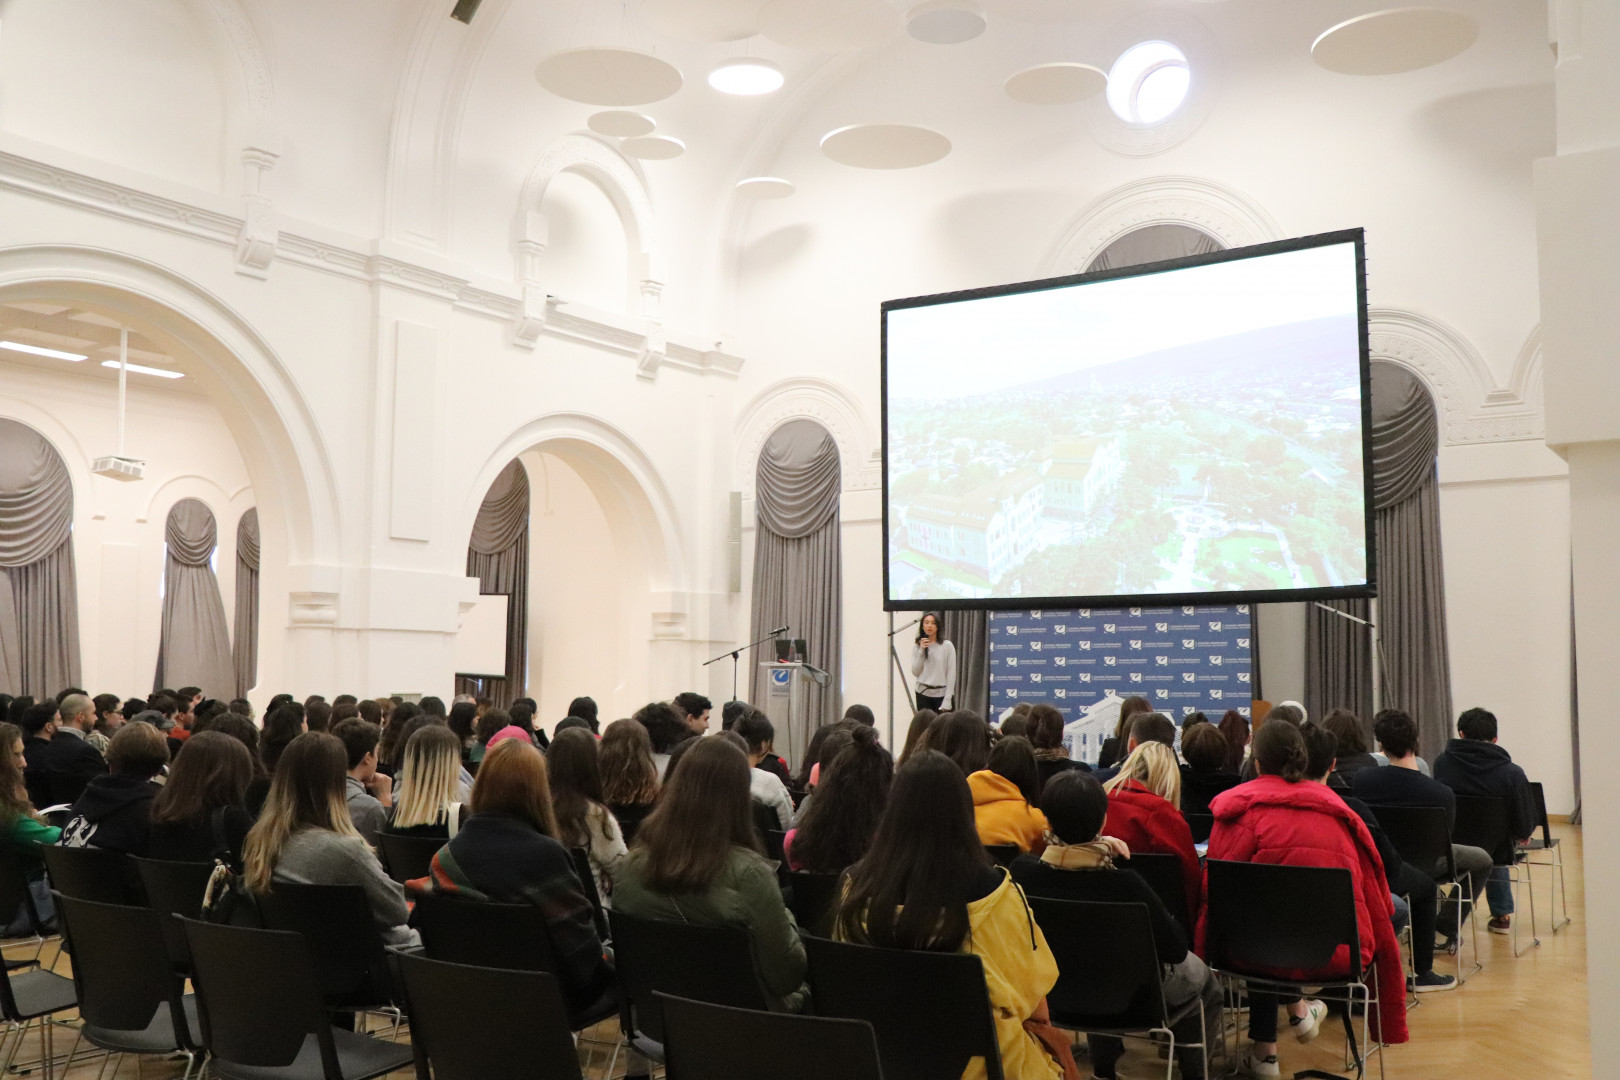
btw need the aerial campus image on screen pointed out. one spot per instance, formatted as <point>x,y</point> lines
<point>1193,431</point>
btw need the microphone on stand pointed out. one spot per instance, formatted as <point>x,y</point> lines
<point>780,630</point>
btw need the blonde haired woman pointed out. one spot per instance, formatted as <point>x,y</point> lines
<point>304,835</point>
<point>428,802</point>
<point>1144,800</point>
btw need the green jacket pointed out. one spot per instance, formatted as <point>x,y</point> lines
<point>743,894</point>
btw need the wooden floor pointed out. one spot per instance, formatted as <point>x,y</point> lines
<point>1518,1019</point>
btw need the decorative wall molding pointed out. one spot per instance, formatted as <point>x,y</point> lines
<point>828,403</point>
<point>1473,408</point>
<point>1211,207</point>
<point>312,609</point>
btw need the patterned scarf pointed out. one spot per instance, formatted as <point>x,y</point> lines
<point>1092,855</point>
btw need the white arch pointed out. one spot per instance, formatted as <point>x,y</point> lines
<point>1473,409</point>
<point>822,400</point>
<point>251,95</point>
<point>610,171</point>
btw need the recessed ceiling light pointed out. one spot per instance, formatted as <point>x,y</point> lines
<point>40,350</point>
<point>139,369</point>
<point>747,76</point>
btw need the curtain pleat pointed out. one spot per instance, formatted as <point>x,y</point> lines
<point>1338,666</point>
<point>969,632</point>
<point>39,607</point>
<point>798,561</point>
<point>498,556</point>
<point>245,641</point>
<point>195,649</point>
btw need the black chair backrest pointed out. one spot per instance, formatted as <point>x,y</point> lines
<point>15,897</point>
<point>775,840</point>
<point>813,897</point>
<point>522,1027</point>
<point>587,881</point>
<point>1538,796</point>
<point>407,858</point>
<point>707,963</point>
<point>705,1041</point>
<point>1262,917</point>
<point>1482,822</point>
<point>351,966</point>
<point>765,820</point>
<point>1163,875</point>
<point>1201,825</point>
<point>1003,854</point>
<point>121,965</point>
<point>1108,968</point>
<point>1420,834</point>
<point>90,873</point>
<point>175,888</point>
<point>475,933</point>
<point>40,788</point>
<point>931,1011</point>
<point>258,996</point>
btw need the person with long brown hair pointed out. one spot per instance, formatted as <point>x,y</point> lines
<point>201,813</point>
<point>838,828</point>
<point>305,836</point>
<point>1114,747</point>
<point>629,776</point>
<point>583,819</point>
<point>24,830</point>
<point>1235,726</point>
<point>916,731</point>
<point>508,852</point>
<point>696,860</point>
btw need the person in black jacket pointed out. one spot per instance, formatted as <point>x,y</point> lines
<point>1079,865</point>
<point>1474,765</point>
<point>200,814</point>
<point>115,811</point>
<point>60,762</point>
<point>1206,752</point>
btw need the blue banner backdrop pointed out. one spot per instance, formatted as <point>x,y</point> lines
<point>1183,659</point>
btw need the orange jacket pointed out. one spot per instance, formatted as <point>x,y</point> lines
<point>1002,814</point>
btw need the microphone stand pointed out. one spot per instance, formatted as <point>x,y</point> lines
<point>1381,665</point>
<point>898,666</point>
<point>738,651</point>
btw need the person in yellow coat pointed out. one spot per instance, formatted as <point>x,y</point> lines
<point>926,883</point>
<point>1004,797</point>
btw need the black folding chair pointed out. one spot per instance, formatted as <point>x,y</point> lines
<point>28,992</point>
<point>1421,836</point>
<point>130,999</point>
<point>587,881</point>
<point>704,1041</point>
<point>1545,844</point>
<point>351,962</point>
<point>90,873</point>
<point>262,1014</point>
<point>17,902</point>
<point>522,1030</point>
<point>931,1011</point>
<point>1163,875</point>
<point>175,888</point>
<point>706,963</point>
<point>1261,918</point>
<point>812,898</point>
<point>407,858</point>
<point>1110,980</point>
<point>1482,822</point>
<point>1201,825</point>
<point>1003,854</point>
<point>775,840</point>
<point>765,821</point>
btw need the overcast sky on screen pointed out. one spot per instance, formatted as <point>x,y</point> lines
<point>981,346</point>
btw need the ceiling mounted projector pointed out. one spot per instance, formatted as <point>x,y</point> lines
<point>119,468</point>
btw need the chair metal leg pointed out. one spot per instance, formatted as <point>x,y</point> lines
<point>1563,890</point>
<point>1513,881</point>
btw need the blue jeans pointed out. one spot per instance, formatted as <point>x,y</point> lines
<point>1499,891</point>
<point>1403,912</point>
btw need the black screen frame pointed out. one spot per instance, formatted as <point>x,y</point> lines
<point>1356,237</point>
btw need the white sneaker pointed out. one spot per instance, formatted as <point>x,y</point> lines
<point>1252,1064</point>
<point>1305,1027</point>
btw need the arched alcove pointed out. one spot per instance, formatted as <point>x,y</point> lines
<point>39,618</point>
<point>588,254</point>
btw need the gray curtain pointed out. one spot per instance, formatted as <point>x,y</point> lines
<point>969,631</point>
<point>1338,660</point>
<point>39,603</point>
<point>798,563</point>
<point>1154,243</point>
<point>195,649</point>
<point>1411,586</point>
<point>245,642</point>
<point>498,556</point>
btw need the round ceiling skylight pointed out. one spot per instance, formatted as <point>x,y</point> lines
<point>747,76</point>
<point>1148,83</point>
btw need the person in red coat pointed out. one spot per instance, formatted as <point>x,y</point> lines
<point>1144,798</point>
<point>1280,819</point>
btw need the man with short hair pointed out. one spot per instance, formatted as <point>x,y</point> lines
<point>696,707</point>
<point>60,761</point>
<point>1473,764</point>
<point>1148,727</point>
<point>370,793</point>
<point>861,714</point>
<point>188,698</point>
<point>242,707</point>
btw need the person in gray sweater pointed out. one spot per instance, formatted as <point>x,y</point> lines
<point>305,835</point>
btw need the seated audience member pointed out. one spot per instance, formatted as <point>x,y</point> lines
<point>489,723</point>
<point>241,707</point>
<point>392,747</point>
<point>346,710</point>
<point>1280,819</point>
<point>243,730</point>
<point>1145,727</point>
<point>200,814</point>
<point>509,851</point>
<point>1401,784</point>
<point>837,832</point>
<point>1353,753</point>
<point>731,712</point>
<point>963,737</point>
<point>1114,748</point>
<point>1016,724</point>
<point>1005,796</point>
<point>1144,810</point>
<point>60,761</point>
<point>369,793</point>
<point>696,860</point>
<point>838,736</point>
<point>629,776</point>
<point>430,793</point>
<point>463,720</point>
<point>917,733</point>
<point>25,832</point>
<point>115,811</point>
<point>812,757</point>
<point>695,708</point>
<point>585,709</point>
<point>434,706</point>
<point>284,724</point>
<point>666,727</point>
<point>758,734</point>
<point>861,714</point>
<point>927,883</point>
<point>1079,865</point>
<point>583,817</point>
<point>109,718</point>
<point>1286,713</point>
<point>523,719</point>
<point>1205,776</point>
<point>305,835</point>
<point>318,716</point>
<point>1046,736</point>
<point>1473,764</point>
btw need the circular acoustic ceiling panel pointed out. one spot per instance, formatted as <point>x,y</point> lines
<point>884,146</point>
<point>829,25</point>
<point>654,147</point>
<point>945,22</point>
<point>616,77</point>
<point>621,123</point>
<point>765,187</point>
<point>1038,11</point>
<point>703,20</point>
<point>1393,41</point>
<point>1056,84</point>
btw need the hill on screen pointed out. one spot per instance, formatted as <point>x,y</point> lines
<point>1327,343</point>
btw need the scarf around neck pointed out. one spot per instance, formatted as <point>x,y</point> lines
<point>1092,855</point>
